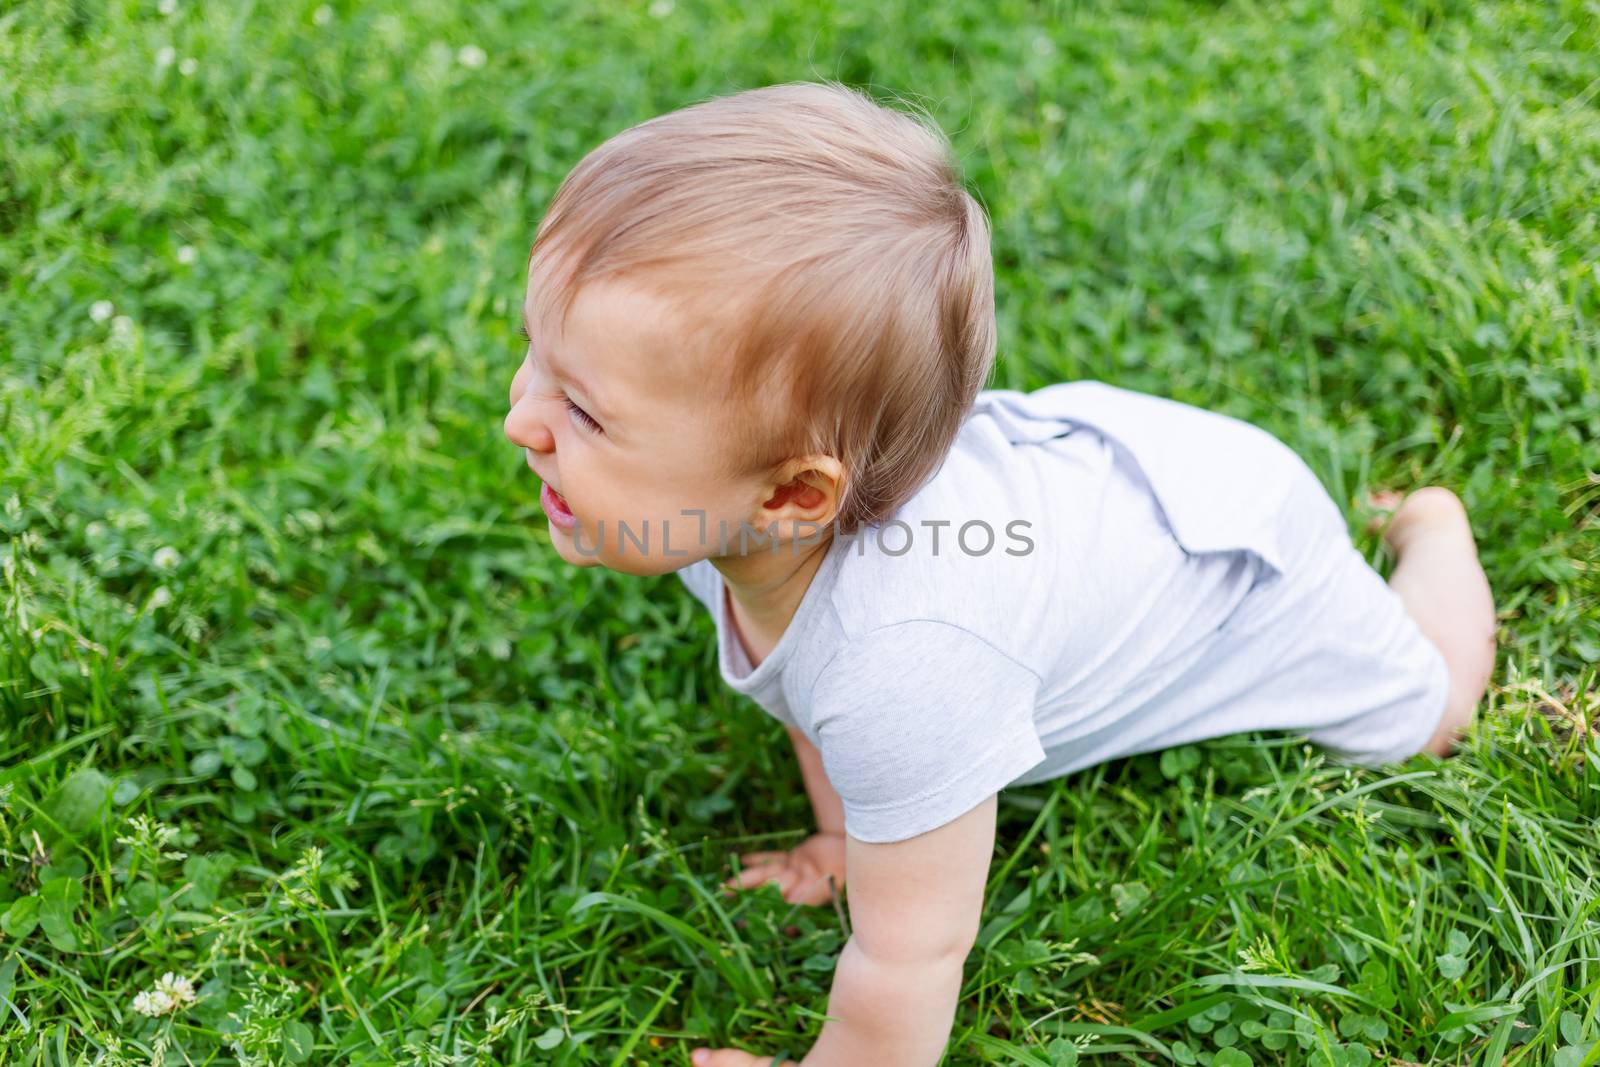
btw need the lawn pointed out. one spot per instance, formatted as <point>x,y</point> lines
<point>298,704</point>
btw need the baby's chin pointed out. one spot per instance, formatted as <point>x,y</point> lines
<point>629,561</point>
<point>566,545</point>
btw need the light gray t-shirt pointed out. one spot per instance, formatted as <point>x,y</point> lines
<point>1031,609</point>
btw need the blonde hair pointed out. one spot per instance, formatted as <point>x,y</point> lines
<point>826,244</point>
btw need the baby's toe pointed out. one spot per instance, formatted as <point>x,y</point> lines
<point>1382,503</point>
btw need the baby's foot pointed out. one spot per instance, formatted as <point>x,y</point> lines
<point>1382,504</point>
<point>1401,517</point>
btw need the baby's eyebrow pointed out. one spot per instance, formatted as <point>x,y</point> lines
<point>591,401</point>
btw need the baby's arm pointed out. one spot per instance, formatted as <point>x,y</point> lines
<point>914,912</point>
<point>824,801</point>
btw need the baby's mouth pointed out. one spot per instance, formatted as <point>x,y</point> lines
<point>555,506</point>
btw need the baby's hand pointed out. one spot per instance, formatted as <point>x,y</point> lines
<point>802,873</point>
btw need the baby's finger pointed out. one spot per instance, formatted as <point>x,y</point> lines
<point>755,876</point>
<point>813,891</point>
<point>751,859</point>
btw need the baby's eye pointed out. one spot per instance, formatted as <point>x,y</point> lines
<point>584,418</point>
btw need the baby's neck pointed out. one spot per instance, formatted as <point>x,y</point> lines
<point>765,588</point>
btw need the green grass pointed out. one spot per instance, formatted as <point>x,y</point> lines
<point>278,596</point>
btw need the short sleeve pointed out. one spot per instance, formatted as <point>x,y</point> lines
<point>919,722</point>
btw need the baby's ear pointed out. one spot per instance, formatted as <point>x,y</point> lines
<point>805,489</point>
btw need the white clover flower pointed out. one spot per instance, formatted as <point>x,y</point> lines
<point>322,15</point>
<point>167,7</point>
<point>160,598</point>
<point>122,326</point>
<point>166,558</point>
<point>172,993</point>
<point>471,56</point>
<point>152,1004</point>
<point>187,255</point>
<point>166,55</point>
<point>177,988</point>
<point>188,66</point>
<point>662,8</point>
<point>101,310</point>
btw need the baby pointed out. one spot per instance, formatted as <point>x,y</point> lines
<point>759,330</point>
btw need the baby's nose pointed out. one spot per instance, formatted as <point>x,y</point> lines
<point>519,383</point>
<point>525,429</point>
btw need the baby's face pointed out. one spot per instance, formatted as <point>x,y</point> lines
<point>612,418</point>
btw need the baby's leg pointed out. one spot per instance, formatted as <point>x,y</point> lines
<point>1439,579</point>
